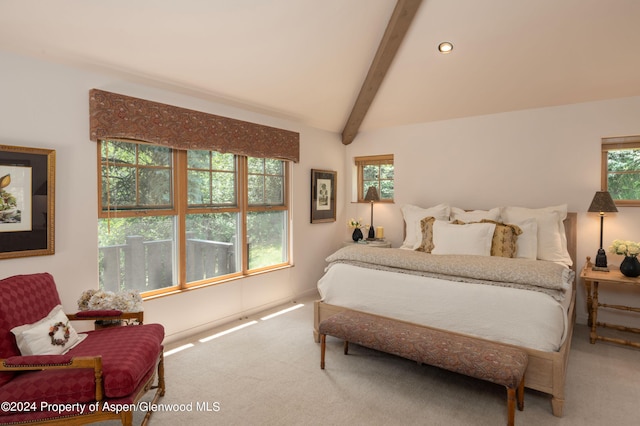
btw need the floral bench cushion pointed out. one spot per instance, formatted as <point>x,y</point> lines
<point>473,357</point>
<point>128,355</point>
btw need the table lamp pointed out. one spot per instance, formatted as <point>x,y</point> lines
<point>602,203</point>
<point>372,195</point>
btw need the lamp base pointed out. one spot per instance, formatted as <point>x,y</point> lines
<point>372,233</point>
<point>601,260</point>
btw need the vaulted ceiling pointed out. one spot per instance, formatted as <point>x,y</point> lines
<point>307,60</point>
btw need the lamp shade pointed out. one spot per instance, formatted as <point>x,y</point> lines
<point>372,194</point>
<point>602,203</point>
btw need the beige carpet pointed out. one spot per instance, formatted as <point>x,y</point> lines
<point>269,374</point>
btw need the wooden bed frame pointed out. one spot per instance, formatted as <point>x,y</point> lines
<point>547,370</point>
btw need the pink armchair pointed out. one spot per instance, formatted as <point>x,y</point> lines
<point>111,369</point>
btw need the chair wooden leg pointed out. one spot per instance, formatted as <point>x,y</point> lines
<point>126,418</point>
<point>323,347</point>
<point>346,347</point>
<point>511,406</point>
<point>160,389</point>
<point>161,382</point>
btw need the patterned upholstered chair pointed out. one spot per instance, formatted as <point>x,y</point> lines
<point>107,371</point>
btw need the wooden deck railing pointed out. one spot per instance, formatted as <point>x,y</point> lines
<point>149,265</point>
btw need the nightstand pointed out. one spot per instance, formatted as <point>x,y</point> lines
<point>613,277</point>
<point>367,243</point>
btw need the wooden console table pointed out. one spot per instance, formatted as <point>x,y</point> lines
<point>614,277</point>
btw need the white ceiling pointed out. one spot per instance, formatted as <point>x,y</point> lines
<point>306,59</point>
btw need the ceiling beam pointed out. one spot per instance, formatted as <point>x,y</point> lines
<point>397,28</point>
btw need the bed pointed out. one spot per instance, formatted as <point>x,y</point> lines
<point>517,289</point>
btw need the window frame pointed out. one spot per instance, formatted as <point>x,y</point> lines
<point>264,208</point>
<point>371,160</point>
<point>612,144</point>
<point>121,213</point>
<point>180,210</point>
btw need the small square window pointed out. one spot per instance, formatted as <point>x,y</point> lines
<point>621,169</point>
<point>376,171</point>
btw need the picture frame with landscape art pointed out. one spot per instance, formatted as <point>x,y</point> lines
<point>323,196</point>
<point>27,201</point>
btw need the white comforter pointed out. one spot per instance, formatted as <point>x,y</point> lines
<point>521,317</point>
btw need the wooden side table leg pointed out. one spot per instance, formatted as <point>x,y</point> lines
<point>594,313</point>
<point>587,284</point>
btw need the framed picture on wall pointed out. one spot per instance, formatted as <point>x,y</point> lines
<point>27,201</point>
<point>323,196</point>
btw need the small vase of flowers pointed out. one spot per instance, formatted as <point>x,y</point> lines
<point>630,265</point>
<point>357,232</point>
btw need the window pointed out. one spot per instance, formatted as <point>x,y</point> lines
<point>267,214</point>
<point>621,169</point>
<point>173,219</point>
<point>376,171</point>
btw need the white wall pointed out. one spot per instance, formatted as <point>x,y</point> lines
<point>531,158</point>
<point>46,105</point>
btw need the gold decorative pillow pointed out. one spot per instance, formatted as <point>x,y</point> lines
<point>426,226</point>
<point>504,240</point>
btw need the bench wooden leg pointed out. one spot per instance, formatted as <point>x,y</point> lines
<point>514,394</point>
<point>521,395</point>
<point>323,348</point>
<point>511,406</point>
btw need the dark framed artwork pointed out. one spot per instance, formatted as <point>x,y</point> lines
<point>27,201</point>
<point>323,196</point>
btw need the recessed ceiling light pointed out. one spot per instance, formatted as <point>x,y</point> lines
<point>445,47</point>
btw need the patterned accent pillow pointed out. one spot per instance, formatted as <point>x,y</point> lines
<point>426,225</point>
<point>505,238</point>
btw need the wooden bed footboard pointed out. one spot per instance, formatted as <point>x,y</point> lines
<point>546,371</point>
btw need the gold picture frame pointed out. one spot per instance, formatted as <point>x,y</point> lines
<point>27,201</point>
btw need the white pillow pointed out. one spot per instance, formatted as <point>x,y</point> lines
<point>552,239</point>
<point>412,217</point>
<point>527,242</point>
<point>472,238</point>
<point>475,215</point>
<point>34,339</point>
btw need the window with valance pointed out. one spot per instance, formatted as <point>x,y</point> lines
<point>187,198</point>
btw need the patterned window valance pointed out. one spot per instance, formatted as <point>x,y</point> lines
<point>123,117</point>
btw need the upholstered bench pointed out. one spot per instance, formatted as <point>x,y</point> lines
<point>482,359</point>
